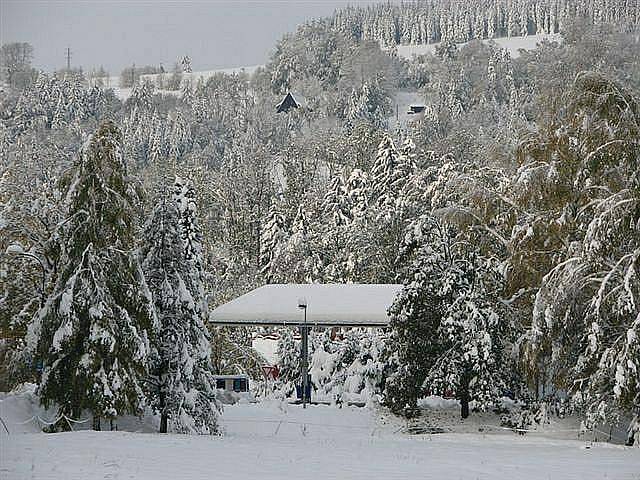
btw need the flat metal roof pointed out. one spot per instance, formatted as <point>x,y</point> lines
<point>348,305</point>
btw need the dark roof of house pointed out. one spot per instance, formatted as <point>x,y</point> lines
<point>290,101</point>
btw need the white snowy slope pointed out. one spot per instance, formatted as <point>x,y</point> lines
<point>123,93</point>
<point>327,304</point>
<point>512,44</point>
<point>203,75</point>
<point>276,441</point>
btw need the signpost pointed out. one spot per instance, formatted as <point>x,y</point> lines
<point>270,372</point>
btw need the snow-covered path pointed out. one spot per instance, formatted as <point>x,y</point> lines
<point>264,442</point>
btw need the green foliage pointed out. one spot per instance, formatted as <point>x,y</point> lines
<point>92,335</point>
<point>450,335</point>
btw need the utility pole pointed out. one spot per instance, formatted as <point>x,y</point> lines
<point>68,59</point>
<point>133,74</point>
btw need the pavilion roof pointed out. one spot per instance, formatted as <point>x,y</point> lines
<point>355,305</point>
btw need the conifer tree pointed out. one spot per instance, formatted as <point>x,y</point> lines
<point>385,172</point>
<point>335,202</point>
<point>92,335</point>
<point>183,389</point>
<point>185,198</point>
<point>448,332</point>
<point>273,242</point>
<point>288,354</point>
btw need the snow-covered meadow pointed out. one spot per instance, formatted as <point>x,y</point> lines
<point>275,440</point>
<point>492,188</point>
<point>512,44</point>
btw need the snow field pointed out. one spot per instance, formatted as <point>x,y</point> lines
<point>273,440</point>
<point>202,74</point>
<point>512,44</point>
<point>123,93</point>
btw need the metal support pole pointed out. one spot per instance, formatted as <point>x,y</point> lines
<point>304,352</point>
<point>305,360</point>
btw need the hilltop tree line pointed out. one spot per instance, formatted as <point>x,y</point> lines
<point>509,213</point>
<point>428,21</point>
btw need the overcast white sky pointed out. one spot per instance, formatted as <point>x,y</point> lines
<point>117,33</point>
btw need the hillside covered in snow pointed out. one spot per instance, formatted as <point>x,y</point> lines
<point>426,214</point>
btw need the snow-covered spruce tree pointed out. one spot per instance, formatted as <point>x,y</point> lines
<point>449,335</point>
<point>288,354</point>
<point>182,389</point>
<point>415,315</point>
<point>335,204</point>
<point>273,242</point>
<point>184,195</point>
<point>385,173</point>
<point>357,191</point>
<point>92,335</point>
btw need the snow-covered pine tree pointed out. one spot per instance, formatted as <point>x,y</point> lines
<point>288,354</point>
<point>357,190</point>
<point>299,258</point>
<point>179,137</point>
<point>415,315</point>
<point>186,64</point>
<point>183,390</point>
<point>92,335</point>
<point>187,92</point>
<point>141,96</point>
<point>184,195</point>
<point>448,332</point>
<point>385,173</point>
<point>273,241</point>
<point>335,203</point>
<point>156,140</point>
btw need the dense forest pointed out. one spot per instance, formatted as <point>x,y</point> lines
<point>510,212</point>
<point>432,21</point>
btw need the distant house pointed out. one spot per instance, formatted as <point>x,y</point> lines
<point>290,101</point>
<point>416,112</point>
<point>232,383</point>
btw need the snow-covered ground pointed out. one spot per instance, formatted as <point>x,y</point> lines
<point>124,93</point>
<point>273,440</point>
<point>203,74</point>
<point>512,44</point>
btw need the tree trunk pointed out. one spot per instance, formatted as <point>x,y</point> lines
<point>96,423</point>
<point>163,422</point>
<point>464,400</point>
<point>633,431</point>
<point>464,406</point>
<point>164,416</point>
